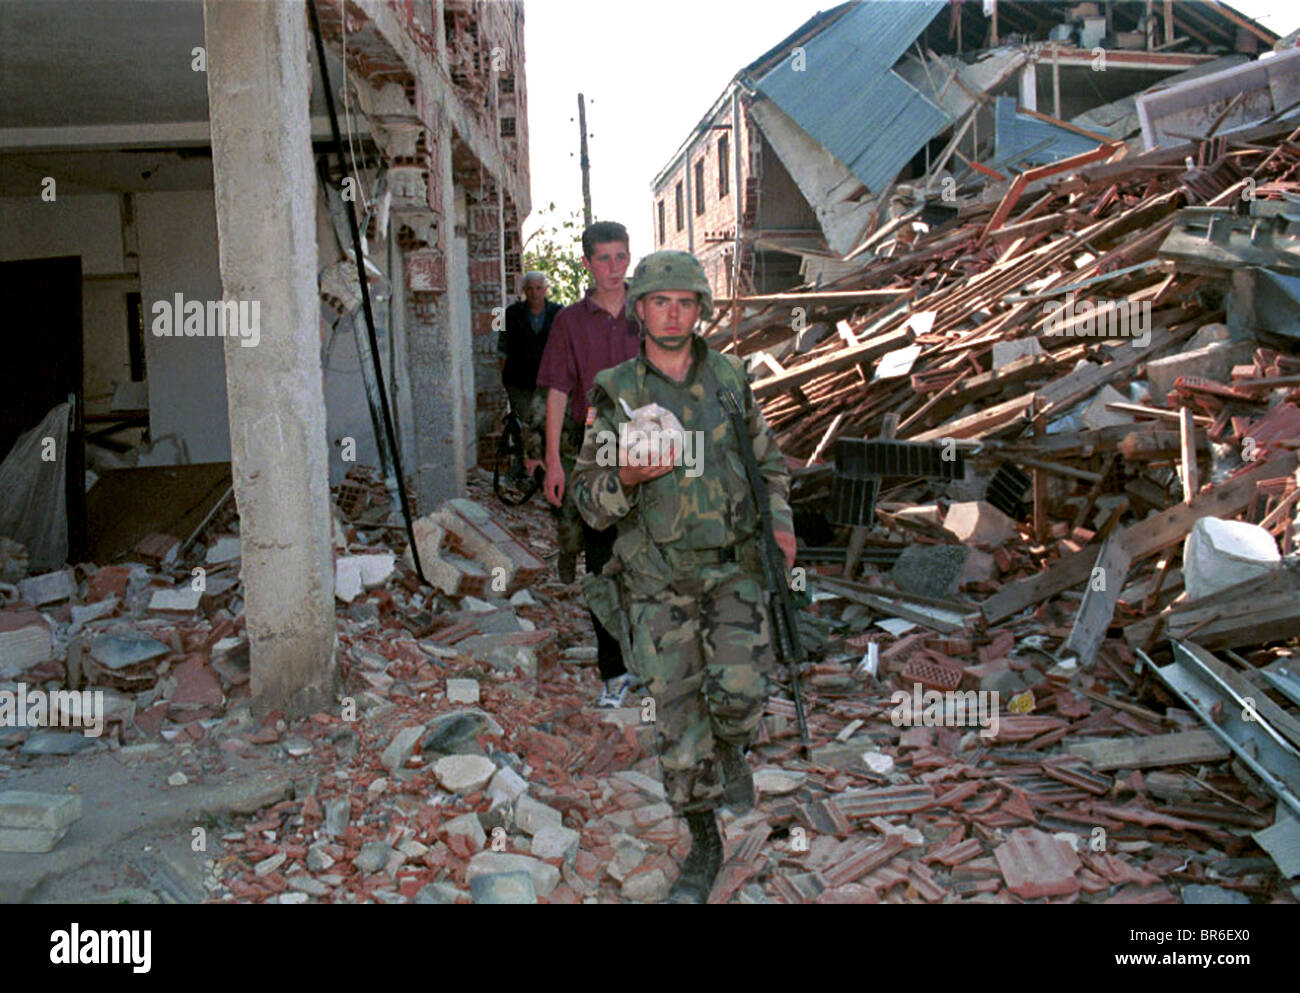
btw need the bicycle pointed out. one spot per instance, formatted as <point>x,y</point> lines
<point>510,480</point>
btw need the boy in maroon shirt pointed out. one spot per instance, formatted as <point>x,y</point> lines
<point>587,337</point>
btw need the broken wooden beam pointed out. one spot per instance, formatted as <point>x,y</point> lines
<point>1142,539</point>
<point>1098,607</point>
<point>1180,748</point>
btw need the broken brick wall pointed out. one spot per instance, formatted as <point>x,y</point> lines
<point>709,235</point>
<point>484,236</point>
<point>441,144</point>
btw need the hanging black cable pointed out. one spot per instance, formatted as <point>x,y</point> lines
<point>365,293</point>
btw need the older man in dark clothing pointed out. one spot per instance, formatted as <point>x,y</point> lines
<point>519,353</point>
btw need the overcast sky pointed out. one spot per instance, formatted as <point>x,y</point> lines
<point>649,71</point>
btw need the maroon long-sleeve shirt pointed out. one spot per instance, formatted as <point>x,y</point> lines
<point>585,339</point>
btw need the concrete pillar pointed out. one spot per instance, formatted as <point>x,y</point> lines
<point>258,85</point>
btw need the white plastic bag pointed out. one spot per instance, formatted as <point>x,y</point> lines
<point>33,494</point>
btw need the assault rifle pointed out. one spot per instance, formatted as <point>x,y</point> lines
<point>780,609</point>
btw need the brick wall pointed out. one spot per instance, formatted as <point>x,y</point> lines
<point>714,229</point>
<point>479,45</point>
<point>485,59</point>
<point>483,238</point>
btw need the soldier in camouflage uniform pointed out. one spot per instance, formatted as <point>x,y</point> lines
<point>685,584</point>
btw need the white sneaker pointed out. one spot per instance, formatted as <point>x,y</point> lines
<point>615,692</point>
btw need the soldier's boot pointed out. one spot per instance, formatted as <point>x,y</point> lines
<point>739,791</point>
<point>701,866</point>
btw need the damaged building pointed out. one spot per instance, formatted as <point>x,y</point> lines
<point>870,108</point>
<point>1017,287</point>
<point>159,158</point>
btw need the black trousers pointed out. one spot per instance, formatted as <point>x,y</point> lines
<point>598,549</point>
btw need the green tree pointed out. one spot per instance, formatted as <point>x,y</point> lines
<point>555,248</point>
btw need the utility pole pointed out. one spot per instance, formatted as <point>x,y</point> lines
<point>586,163</point>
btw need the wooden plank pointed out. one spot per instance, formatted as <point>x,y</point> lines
<point>1021,181</point>
<point>981,422</point>
<point>1060,470</point>
<point>1188,470</point>
<point>852,591</point>
<point>872,347</point>
<point>1025,229</point>
<point>1101,139</point>
<point>1087,443</point>
<point>1229,617</point>
<point>1142,539</point>
<point>1283,509</point>
<point>823,296</point>
<point>1163,415</point>
<point>1241,22</point>
<point>1268,618</point>
<point>1181,748</point>
<point>986,384</point>
<point>1041,522</point>
<point>1098,607</point>
<point>1090,501</point>
<point>934,400</point>
<point>1225,500</point>
<point>1063,393</point>
<point>1004,208</point>
<point>826,439</point>
<point>1128,708</point>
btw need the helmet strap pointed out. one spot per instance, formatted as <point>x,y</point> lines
<point>672,344</point>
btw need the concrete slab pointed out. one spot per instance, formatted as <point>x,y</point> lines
<point>123,808</point>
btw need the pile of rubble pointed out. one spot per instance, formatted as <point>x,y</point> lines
<point>1063,510</point>
<point>1014,697</point>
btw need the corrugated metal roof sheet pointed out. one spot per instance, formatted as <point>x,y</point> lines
<point>847,96</point>
<point>1039,141</point>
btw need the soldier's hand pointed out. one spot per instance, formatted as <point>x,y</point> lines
<point>659,464</point>
<point>554,483</point>
<point>787,544</point>
<point>532,465</point>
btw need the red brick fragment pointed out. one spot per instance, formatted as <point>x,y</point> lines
<point>1035,864</point>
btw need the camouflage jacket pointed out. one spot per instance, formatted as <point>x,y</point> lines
<point>704,503</point>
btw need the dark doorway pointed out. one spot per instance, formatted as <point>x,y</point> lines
<point>43,367</point>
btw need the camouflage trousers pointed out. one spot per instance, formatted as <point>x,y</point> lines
<point>568,522</point>
<point>704,649</point>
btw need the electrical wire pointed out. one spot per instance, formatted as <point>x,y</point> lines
<point>365,304</point>
<point>347,123</point>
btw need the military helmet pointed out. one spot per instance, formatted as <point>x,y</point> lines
<point>670,271</point>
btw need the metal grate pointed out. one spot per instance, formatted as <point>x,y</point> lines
<point>858,458</point>
<point>852,501</point>
<point>1008,490</point>
<point>861,464</point>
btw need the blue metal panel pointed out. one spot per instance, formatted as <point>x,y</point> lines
<point>1016,134</point>
<point>846,96</point>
